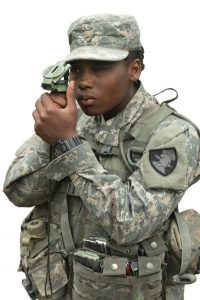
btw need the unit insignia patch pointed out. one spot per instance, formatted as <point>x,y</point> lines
<point>163,160</point>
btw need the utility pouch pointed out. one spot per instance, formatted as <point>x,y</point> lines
<point>92,285</point>
<point>114,266</point>
<point>183,238</point>
<point>40,280</point>
<point>154,246</point>
<point>150,277</point>
<point>46,273</point>
<point>113,284</point>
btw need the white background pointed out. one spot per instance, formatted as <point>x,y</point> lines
<point>33,35</point>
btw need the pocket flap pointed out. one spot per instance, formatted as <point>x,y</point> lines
<point>149,265</point>
<point>114,266</point>
<point>154,246</point>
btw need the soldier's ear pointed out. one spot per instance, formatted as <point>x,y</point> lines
<point>135,70</point>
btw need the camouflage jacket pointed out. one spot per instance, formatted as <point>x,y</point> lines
<point>127,211</point>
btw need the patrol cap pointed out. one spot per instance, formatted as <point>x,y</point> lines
<point>104,37</point>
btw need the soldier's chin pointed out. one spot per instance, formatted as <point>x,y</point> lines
<point>90,112</point>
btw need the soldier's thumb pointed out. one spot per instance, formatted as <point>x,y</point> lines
<point>70,95</point>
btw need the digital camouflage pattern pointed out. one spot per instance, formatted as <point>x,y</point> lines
<point>122,207</point>
<point>104,203</point>
<point>58,276</point>
<point>103,37</point>
<point>178,242</point>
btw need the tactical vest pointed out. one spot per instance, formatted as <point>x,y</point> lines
<point>43,256</point>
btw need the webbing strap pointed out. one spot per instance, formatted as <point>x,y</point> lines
<point>141,132</point>
<point>144,132</point>
<point>65,228</point>
<point>186,242</point>
<point>71,190</point>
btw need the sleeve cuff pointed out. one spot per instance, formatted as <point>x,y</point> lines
<point>77,158</point>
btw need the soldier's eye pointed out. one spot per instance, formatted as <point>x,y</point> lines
<point>74,69</point>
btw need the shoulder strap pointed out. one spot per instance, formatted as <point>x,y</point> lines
<point>186,242</point>
<point>65,229</point>
<point>148,122</point>
<point>141,131</point>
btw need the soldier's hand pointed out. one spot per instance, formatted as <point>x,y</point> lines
<point>53,118</point>
<point>59,98</point>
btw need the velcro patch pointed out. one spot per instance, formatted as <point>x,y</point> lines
<point>163,160</point>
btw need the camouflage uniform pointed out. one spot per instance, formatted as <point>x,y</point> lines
<point>105,200</point>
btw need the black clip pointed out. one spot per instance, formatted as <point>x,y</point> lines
<point>105,150</point>
<point>28,287</point>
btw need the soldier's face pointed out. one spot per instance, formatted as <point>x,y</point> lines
<point>103,87</point>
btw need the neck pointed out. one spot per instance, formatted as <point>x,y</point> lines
<point>130,94</point>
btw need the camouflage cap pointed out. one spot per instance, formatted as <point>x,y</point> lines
<point>103,37</point>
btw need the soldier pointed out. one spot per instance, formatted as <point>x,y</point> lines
<point>104,182</point>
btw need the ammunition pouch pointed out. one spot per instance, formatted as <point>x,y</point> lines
<point>112,282</point>
<point>98,275</point>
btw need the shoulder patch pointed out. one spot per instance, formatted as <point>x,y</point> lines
<point>163,160</point>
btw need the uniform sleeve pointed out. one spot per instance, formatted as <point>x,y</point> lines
<point>26,183</point>
<point>131,211</point>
